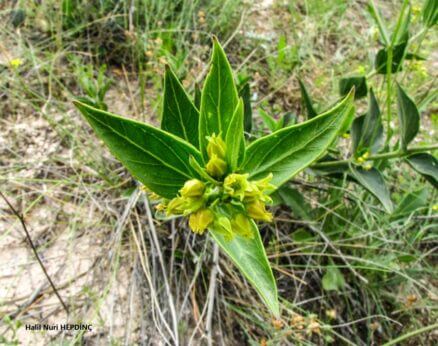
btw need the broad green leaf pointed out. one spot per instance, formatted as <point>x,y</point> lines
<point>235,139</point>
<point>373,181</point>
<point>430,13</point>
<point>249,255</point>
<point>180,115</point>
<point>156,158</point>
<point>288,151</point>
<point>409,117</point>
<point>245,94</point>
<point>358,82</point>
<point>295,200</point>
<point>367,130</point>
<point>410,203</point>
<point>333,280</point>
<point>307,101</point>
<point>219,98</point>
<point>426,165</point>
<point>398,53</point>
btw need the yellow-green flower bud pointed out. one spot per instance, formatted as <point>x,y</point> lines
<point>263,184</point>
<point>200,220</point>
<point>216,146</point>
<point>256,209</point>
<point>242,226</point>
<point>235,185</point>
<point>176,206</point>
<point>216,167</point>
<point>193,188</point>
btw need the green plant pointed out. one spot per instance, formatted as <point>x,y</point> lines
<point>199,164</point>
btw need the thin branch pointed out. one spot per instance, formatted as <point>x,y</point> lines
<point>212,293</point>
<point>23,224</point>
<point>388,155</point>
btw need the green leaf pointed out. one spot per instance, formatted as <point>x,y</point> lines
<point>156,158</point>
<point>333,280</point>
<point>235,140</point>
<point>268,120</point>
<point>295,200</point>
<point>380,24</point>
<point>373,181</point>
<point>288,151</point>
<point>307,101</point>
<point>397,58</point>
<point>410,203</point>
<point>401,31</point>
<point>367,130</point>
<point>219,98</point>
<point>408,116</point>
<point>180,115</point>
<point>249,255</point>
<point>358,82</point>
<point>426,165</point>
<point>302,236</point>
<point>245,94</point>
<point>430,13</point>
<point>197,98</point>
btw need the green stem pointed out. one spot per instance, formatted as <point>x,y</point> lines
<point>388,93</point>
<point>388,155</point>
<point>411,334</point>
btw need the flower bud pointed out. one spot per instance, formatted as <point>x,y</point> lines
<point>263,184</point>
<point>216,167</point>
<point>176,206</point>
<point>242,226</point>
<point>256,209</point>
<point>235,185</point>
<point>200,220</point>
<point>216,146</point>
<point>193,188</point>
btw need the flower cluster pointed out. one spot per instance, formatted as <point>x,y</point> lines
<point>226,203</point>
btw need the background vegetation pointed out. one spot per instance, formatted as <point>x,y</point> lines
<point>347,271</point>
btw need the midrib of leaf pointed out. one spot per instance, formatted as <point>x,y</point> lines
<point>218,107</point>
<point>179,112</point>
<point>142,149</point>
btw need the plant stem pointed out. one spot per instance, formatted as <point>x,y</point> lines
<point>388,93</point>
<point>411,334</point>
<point>388,155</point>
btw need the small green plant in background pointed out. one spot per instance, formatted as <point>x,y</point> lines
<point>200,166</point>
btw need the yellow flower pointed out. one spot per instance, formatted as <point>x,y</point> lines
<point>263,184</point>
<point>256,209</point>
<point>193,188</point>
<point>216,167</point>
<point>235,185</point>
<point>242,226</point>
<point>200,220</point>
<point>216,146</point>
<point>176,206</point>
<point>256,189</point>
<point>160,207</point>
<point>16,63</point>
